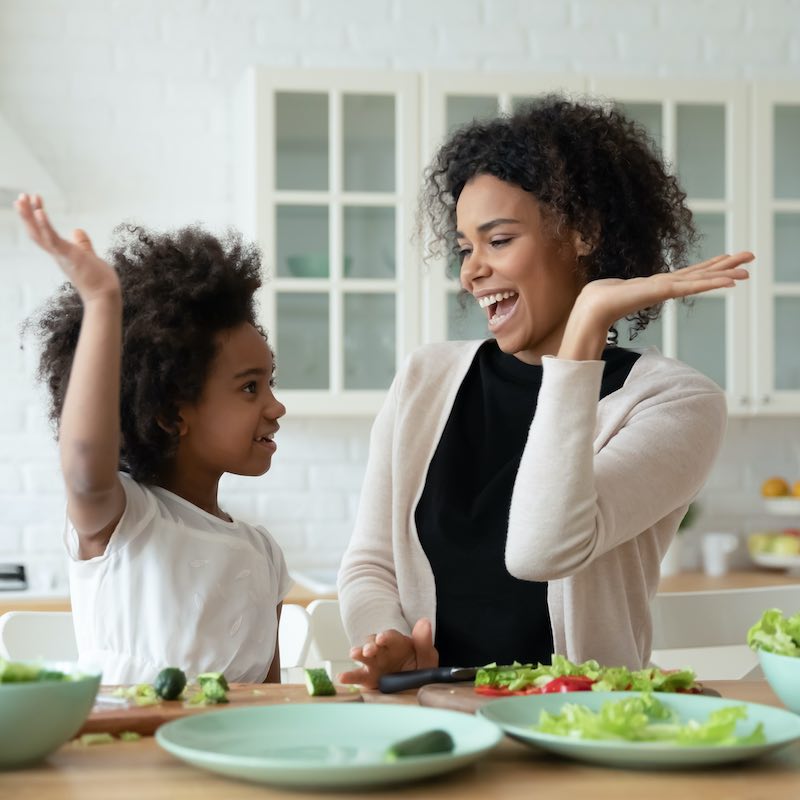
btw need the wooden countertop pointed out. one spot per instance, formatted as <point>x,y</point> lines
<point>743,579</point>
<point>682,582</point>
<point>18,602</point>
<point>512,772</point>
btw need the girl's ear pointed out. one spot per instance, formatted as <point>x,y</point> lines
<point>177,426</point>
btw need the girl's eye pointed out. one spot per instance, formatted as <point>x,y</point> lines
<point>251,387</point>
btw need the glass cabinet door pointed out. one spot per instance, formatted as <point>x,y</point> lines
<point>700,131</point>
<point>333,189</point>
<point>777,195</point>
<point>453,100</point>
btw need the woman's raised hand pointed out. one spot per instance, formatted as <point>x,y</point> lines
<point>87,272</point>
<point>392,651</point>
<point>602,302</point>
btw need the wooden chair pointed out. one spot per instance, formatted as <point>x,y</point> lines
<point>707,631</point>
<point>33,635</point>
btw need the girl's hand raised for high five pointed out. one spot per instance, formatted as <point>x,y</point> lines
<point>88,273</point>
<point>602,302</point>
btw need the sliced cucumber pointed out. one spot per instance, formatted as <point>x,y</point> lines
<point>169,683</point>
<point>318,683</point>
<point>423,744</point>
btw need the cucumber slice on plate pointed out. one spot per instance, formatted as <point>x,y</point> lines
<point>423,744</point>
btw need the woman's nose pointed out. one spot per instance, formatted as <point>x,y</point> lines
<point>472,267</point>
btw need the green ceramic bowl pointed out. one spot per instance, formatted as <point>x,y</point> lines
<point>38,717</point>
<point>783,675</point>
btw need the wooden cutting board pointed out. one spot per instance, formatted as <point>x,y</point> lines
<point>462,696</point>
<point>455,696</point>
<point>145,719</point>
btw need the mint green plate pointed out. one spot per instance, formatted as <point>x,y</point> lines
<point>517,715</point>
<point>331,745</point>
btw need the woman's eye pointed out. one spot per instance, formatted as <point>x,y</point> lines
<point>500,242</point>
<point>462,254</point>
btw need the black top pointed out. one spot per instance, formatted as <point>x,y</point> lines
<point>483,614</point>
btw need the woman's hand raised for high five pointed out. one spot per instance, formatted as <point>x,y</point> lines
<point>602,302</point>
<point>87,272</point>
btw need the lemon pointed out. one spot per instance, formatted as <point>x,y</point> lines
<point>774,487</point>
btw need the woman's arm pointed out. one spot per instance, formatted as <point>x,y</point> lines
<point>368,593</point>
<point>89,428</point>
<point>570,506</point>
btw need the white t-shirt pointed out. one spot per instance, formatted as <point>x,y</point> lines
<point>177,587</point>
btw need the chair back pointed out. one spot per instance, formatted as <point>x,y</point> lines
<point>31,635</point>
<point>707,631</point>
<point>294,636</point>
<point>330,646</point>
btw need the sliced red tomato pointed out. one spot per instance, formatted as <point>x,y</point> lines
<point>568,683</point>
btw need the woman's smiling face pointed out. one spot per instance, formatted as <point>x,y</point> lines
<point>526,279</point>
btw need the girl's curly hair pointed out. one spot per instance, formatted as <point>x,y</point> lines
<point>179,291</point>
<point>594,171</point>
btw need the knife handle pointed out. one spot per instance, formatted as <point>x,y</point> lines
<point>411,679</point>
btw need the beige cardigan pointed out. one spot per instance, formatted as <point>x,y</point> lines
<point>600,491</point>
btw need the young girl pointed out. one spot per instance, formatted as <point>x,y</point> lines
<point>521,491</point>
<point>161,382</point>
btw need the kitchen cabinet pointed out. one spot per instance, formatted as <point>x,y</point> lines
<point>701,129</point>
<point>775,345</point>
<point>327,179</point>
<point>330,165</point>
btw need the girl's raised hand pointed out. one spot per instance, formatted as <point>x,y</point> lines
<point>90,275</point>
<point>602,302</point>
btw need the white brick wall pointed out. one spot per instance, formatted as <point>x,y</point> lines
<point>128,104</point>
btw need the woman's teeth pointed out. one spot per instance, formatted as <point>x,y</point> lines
<point>490,299</point>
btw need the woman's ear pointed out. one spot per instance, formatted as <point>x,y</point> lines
<point>582,247</point>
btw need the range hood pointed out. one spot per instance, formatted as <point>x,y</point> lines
<point>21,171</point>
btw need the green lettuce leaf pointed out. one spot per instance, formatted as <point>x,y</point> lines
<point>776,633</point>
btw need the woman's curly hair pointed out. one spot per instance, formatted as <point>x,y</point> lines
<point>179,291</point>
<point>594,171</point>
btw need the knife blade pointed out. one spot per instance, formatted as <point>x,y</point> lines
<point>414,678</point>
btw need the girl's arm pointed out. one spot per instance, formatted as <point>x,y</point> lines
<point>89,428</point>
<point>274,673</point>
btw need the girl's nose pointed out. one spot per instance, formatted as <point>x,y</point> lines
<point>274,409</point>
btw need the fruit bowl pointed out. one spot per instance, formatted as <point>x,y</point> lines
<point>775,549</point>
<point>789,506</point>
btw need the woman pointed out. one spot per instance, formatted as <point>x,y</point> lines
<point>521,492</point>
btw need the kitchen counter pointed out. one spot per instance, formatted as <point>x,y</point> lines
<point>302,595</point>
<point>512,772</point>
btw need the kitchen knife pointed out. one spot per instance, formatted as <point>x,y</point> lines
<point>414,678</point>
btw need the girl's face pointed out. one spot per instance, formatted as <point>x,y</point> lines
<point>526,280</point>
<point>231,427</point>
